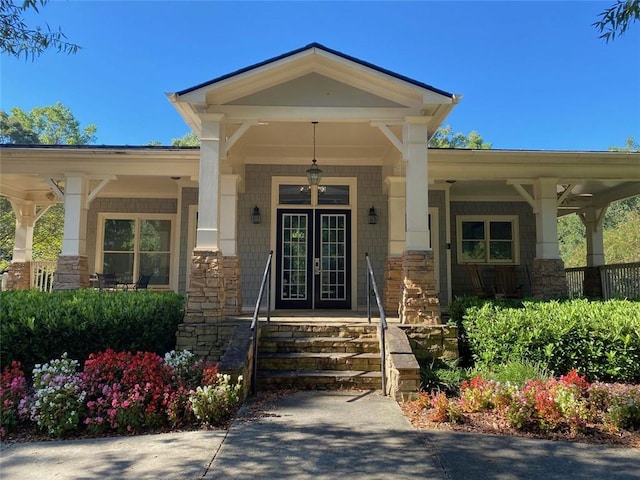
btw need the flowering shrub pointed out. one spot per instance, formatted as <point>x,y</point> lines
<point>118,391</point>
<point>12,391</point>
<point>567,403</point>
<point>215,402</point>
<point>127,391</point>
<point>58,398</point>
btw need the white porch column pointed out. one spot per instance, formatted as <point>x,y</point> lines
<point>397,203</point>
<point>229,213</point>
<point>73,270</point>
<point>419,302</point>
<point>549,279</point>
<point>415,139</point>
<point>546,198</point>
<point>593,219</point>
<point>76,205</point>
<point>25,212</point>
<point>212,151</point>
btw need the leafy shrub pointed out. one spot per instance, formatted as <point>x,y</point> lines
<point>598,339</point>
<point>444,409</point>
<point>38,326</point>
<point>618,406</point>
<point>512,372</point>
<point>58,398</point>
<point>441,376</point>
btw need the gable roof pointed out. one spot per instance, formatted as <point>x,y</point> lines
<point>325,49</point>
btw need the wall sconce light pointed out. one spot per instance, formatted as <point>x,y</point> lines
<point>255,215</point>
<point>373,216</point>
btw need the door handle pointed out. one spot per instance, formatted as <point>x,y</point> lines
<point>316,266</point>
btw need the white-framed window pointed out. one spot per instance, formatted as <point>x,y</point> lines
<point>131,245</point>
<point>488,239</point>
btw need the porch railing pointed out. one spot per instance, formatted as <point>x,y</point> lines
<point>620,280</point>
<point>42,274</point>
<point>382,327</point>
<point>265,285</point>
<point>575,281</point>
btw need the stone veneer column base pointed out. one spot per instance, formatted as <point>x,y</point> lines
<point>232,289</point>
<point>592,284</point>
<point>206,294</point>
<point>392,285</point>
<point>548,278</point>
<point>19,276</point>
<point>419,303</point>
<point>72,273</point>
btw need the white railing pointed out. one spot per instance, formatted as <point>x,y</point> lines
<point>42,274</point>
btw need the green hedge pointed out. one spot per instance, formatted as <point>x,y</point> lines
<point>37,326</point>
<point>599,339</point>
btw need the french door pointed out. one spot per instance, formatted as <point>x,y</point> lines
<point>313,259</point>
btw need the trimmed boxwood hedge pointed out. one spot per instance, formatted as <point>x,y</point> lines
<point>38,326</point>
<point>599,339</point>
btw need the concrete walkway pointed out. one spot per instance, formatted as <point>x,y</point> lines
<point>318,435</point>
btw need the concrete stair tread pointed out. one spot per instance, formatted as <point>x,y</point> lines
<point>319,373</point>
<point>337,355</point>
<point>317,339</point>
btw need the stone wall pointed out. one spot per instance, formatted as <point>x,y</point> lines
<point>392,286</point>
<point>548,278</point>
<point>19,276</point>
<point>206,340</point>
<point>429,341</point>
<point>232,288</point>
<point>72,272</point>
<point>401,366</point>
<point>419,303</point>
<point>238,357</point>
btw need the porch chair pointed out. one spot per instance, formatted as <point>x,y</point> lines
<point>506,283</point>
<point>107,281</point>
<point>142,283</point>
<point>477,283</point>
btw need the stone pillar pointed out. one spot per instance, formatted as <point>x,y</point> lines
<point>72,272</point>
<point>419,303</point>
<point>19,276</point>
<point>73,268</point>
<point>548,277</point>
<point>232,288</point>
<point>592,283</point>
<point>206,293</point>
<point>392,285</point>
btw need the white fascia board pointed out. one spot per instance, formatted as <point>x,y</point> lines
<point>240,113</point>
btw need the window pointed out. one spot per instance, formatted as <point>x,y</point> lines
<point>488,240</point>
<point>133,245</point>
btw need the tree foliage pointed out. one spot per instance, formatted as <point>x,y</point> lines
<point>19,39</point>
<point>446,138</point>
<point>616,20</point>
<point>54,124</point>
<point>49,125</point>
<point>189,139</point>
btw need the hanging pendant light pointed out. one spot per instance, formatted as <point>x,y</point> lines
<point>314,174</point>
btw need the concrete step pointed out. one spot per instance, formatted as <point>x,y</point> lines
<point>317,344</point>
<point>320,379</point>
<point>287,330</point>
<point>319,361</point>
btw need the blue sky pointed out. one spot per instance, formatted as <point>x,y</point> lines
<point>533,75</point>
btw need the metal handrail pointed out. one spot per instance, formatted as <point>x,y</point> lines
<point>371,281</point>
<point>254,322</point>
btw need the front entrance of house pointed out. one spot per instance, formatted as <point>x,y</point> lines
<point>313,259</point>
